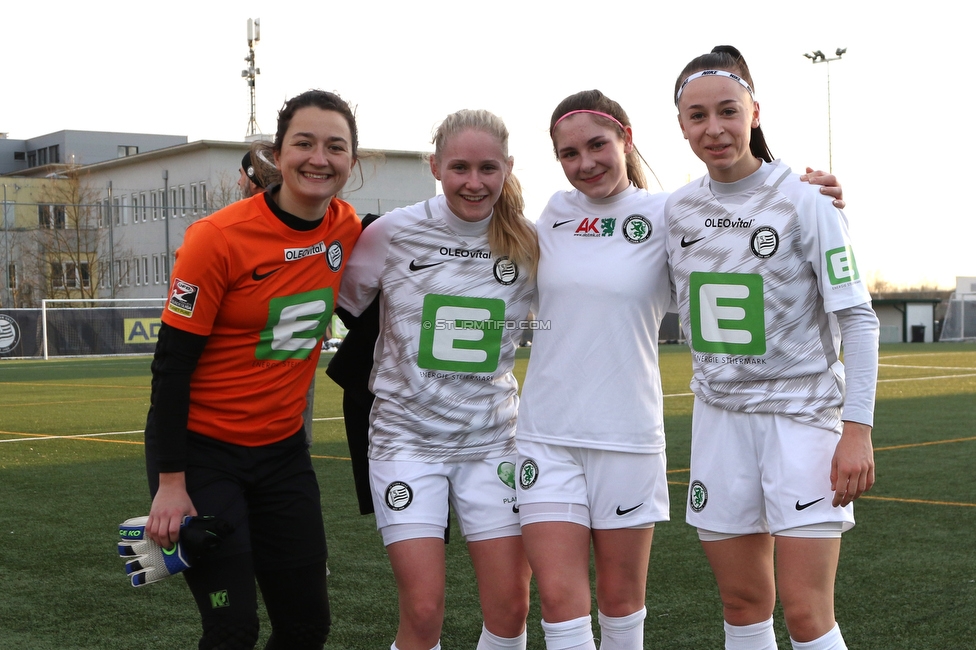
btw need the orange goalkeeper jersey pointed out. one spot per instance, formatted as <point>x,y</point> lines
<point>263,293</point>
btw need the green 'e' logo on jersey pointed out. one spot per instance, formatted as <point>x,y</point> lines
<point>727,313</point>
<point>461,334</point>
<point>841,266</point>
<point>295,325</point>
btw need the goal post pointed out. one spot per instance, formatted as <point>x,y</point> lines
<point>99,326</point>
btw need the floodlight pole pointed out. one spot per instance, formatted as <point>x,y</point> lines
<point>818,56</point>
<point>253,36</point>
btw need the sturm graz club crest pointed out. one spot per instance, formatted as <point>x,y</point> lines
<point>399,495</point>
<point>636,229</point>
<point>528,473</point>
<point>9,334</point>
<point>334,256</point>
<point>765,242</point>
<point>505,271</point>
<point>697,496</point>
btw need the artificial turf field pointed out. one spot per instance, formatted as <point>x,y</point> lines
<point>71,469</point>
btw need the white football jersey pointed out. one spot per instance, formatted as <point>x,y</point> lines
<point>756,284</point>
<point>593,379</point>
<point>451,317</point>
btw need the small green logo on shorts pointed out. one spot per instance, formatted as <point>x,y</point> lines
<point>697,496</point>
<point>219,599</point>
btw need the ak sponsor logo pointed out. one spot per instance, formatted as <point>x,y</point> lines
<point>596,227</point>
<point>764,242</point>
<point>697,496</point>
<point>183,298</point>
<point>399,495</point>
<point>295,254</point>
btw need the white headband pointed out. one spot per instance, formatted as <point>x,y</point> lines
<point>714,73</point>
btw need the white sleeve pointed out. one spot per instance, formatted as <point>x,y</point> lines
<point>859,329</point>
<point>362,278</point>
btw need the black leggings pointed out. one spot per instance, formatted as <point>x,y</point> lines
<point>271,496</point>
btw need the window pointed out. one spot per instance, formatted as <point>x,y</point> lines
<point>70,275</point>
<point>155,269</point>
<point>134,208</point>
<point>12,276</point>
<point>20,155</point>
<point>32,158</point>
<point>57,275</point>
<point>142,207</point>
<point>117,210</point>
<point>85,271</point>
<point>155,206</point>
<point>51,216</point>
<point>172,202</point>
<point>121,273</point>
<point>161,201</point>
<point>41,157</point>
<point>138,272</point>
<point>194,205</point>
<point>54,154</point>
<point>182,195</point>
<point>127,150</point>
<point>203,197</point>
<point>145,269</point>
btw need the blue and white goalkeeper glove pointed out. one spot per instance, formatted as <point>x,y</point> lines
<point>148,562</point>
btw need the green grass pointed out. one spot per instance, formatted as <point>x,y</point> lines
<point>907,577</point>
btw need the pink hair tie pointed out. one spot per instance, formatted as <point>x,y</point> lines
<point>583,110</point>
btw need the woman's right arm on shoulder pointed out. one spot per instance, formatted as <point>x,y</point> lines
<point>362,277</point>
<point>177,353</point>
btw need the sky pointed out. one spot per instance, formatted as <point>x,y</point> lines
<point>175,68</point>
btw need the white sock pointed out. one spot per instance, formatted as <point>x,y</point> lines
<point>622,632</point>
<point>576,634</point>
<point>489,641</point>
<point>758,636</point>
<point>832,640</point>
<point>436,647</point>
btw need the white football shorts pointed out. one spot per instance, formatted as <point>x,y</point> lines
<point>759,473</point>
<point>614,489</point>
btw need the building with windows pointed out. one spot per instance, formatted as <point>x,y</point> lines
<point>110,228</point>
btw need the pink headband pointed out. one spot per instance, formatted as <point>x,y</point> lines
<point>609,117</point>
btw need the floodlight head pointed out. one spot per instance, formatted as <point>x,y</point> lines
<point>841,51</point>
<point>819,55</point>
<point>808,55</point>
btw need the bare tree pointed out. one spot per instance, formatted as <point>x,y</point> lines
<point>68,250</point>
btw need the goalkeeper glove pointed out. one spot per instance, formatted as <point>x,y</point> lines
<point>147,561</point>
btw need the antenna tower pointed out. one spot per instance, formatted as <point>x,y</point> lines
<point>253,36</point>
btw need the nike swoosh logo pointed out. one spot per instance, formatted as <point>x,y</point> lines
<point>257,277</point>
<point>686,244</point>
<point>804,506</point>
<point>561,223</point>
<point>418,267</point>
<point>621,512</point>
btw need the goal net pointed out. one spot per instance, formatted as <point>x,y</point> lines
<point>99,327</point>
<point>960,318</point>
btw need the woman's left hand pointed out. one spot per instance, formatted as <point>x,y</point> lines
<point>829,185</point>
<point>852,468</point>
